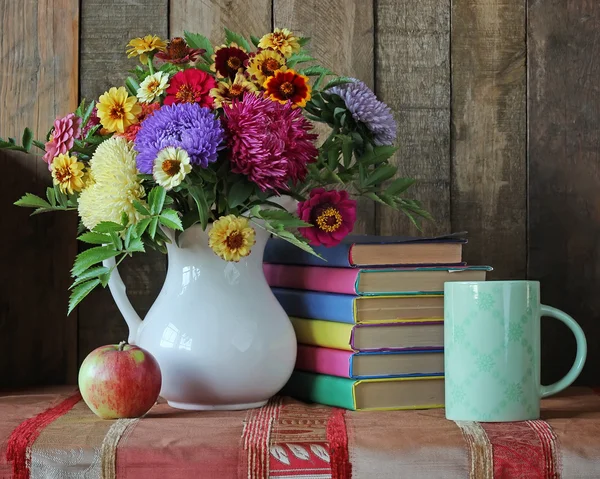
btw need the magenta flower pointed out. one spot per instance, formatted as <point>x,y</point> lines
<point>270,143</point>
<point>332,215</point>
<point>63,135</point>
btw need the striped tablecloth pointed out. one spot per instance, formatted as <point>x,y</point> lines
<point>52,434</point>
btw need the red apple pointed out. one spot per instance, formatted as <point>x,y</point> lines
<point>119,381</point>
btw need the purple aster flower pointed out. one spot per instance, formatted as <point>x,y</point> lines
<point>186,125</point>
<point>367,109</point>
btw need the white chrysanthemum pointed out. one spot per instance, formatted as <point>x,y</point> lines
<point>115,185</point>
<point>152,87</point>
<point>171,166</point>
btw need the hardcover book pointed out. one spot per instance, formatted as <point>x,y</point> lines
<point>369,282</point>
<point>367,394</point>
<point>367,250</point>
<point>400,335</point>
<point>370,365</point>
<point>345,308</point>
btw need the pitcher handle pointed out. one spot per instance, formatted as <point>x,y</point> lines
<point>119,294</point>
<point>581,350</point>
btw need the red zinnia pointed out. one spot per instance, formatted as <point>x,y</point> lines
<point>178,52</point>
<point>190,86</point>
<point>229,60</point>
<point>332,215</point>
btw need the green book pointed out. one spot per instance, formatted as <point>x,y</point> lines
<point>426,392</point>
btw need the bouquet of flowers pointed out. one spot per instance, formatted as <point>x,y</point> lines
<point>213,135</point>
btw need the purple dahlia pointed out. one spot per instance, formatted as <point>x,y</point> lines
<point>186,125</point>
<point>367,109</point>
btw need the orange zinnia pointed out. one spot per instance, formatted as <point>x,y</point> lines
<point>286,86</point>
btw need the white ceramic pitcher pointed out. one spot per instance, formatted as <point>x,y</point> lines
<point>220,337</point>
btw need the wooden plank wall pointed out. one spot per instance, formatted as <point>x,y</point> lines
<point>496,104</point>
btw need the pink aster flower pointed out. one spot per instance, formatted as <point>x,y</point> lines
<point>270,143</point>
<point>332,215</point>
<point>63,135</point>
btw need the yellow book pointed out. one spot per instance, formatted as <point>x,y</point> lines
<point>404,334</point>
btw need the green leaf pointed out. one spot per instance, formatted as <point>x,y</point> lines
<point>303,41</point>
<point>280,217</point>
<point>299,57</point>
<point>90,257</point>
<point>204,67</point>
<point>239,193</point>
<point>40,145</point>
<point>92,237</point>
<point>88,112</point>
<point>116,241</point>
<point>347,150</point>
<point>336,82</point>
<point>89,274</point>
<point>384,172</point>
<point>136,246</point>
<point>199,197</point>
<point>170,219</point>
<point>27,139</point>
<point>141,208</point>
<point>399,185</point>
<point>195,40</point>
<point>50,195</point>
<point>232,37</point>
<point>156,199</point>
<point>141,227</point>
<point>79,111</point>
<point>43,210</point>
<point>108,227</point>
<point>152,227</point>
<point>129,233</point>
<point>60,197</point>
<point>333,155</point>
<point>379,154</point>
<point>32,201</point>
<point>80,292</point>
<point>315,70</point>
<point>255,40</point>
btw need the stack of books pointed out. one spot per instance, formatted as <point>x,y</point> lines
<point>369,320</point>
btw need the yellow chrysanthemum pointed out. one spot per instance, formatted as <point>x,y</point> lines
<point>115,184</point>
<point>143,46</point>
<point>231,237</point>
<point>152,87</point>
<point>264,64</point>
<point>67,173</point>
<point>281,40</point>
<point>117,110</point>
<point>226,91</point>
<point>171,166</point>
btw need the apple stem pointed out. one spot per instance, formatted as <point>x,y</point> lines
<point>122,345</point>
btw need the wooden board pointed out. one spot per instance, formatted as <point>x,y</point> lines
<point>413,78</point>
<point>38,54</point>
<point>564,177</point>
<point>106,28</point>
<point>488,133</point>
<point>342,40</point>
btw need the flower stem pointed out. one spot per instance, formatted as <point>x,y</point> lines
<point>150,65</point>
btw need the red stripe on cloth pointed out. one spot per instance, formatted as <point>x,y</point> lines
<point>549,446</point>
<point>337,437</point>
<point>18,448</point>
<point>521,451</point>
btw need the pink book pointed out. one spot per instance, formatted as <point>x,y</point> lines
<point>370,365</point>
<point>316,278</point>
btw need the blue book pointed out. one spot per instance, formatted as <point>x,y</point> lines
<point>367,250</point>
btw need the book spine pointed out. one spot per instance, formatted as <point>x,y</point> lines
<point>334,362</point>
<point>281,252</point>
<point>326,334</point>
<point>356,330</point>
<point>315,278</point>
<point>321,388</point>
<point>313,304</point>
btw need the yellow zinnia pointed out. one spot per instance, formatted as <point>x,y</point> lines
<point>281,40</point>
<point>231,237</point>
<point>117,110</point>
<point>115,184</point>
<point>226,91</point>
<point>67,173</point>
<point>143,46</point>
<point>264,64</point>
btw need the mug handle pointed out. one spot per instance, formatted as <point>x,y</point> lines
<point>581,350</point>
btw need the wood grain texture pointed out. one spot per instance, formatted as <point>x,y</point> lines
<point>106,28</point>
<point>489,132</point>
<point>208,17</point>
<point>564,175</point>
<point>38,82</point>
<point>342,39</point>
<point>413,78</point>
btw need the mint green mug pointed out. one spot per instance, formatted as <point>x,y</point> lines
<point>492,350</point>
